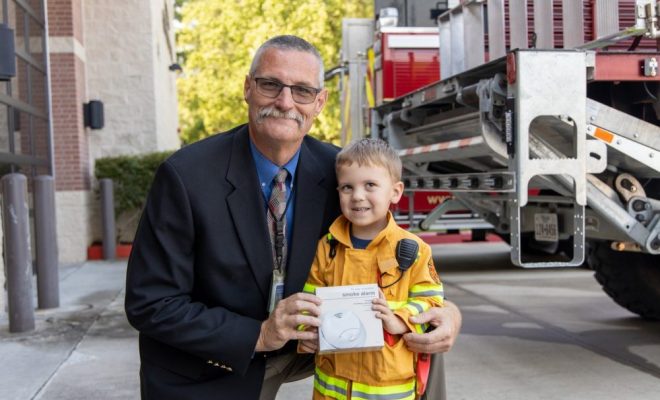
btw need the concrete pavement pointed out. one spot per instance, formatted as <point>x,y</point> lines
<point>542,334</point>
<point>550,334</point>
<point>82,350</point>
<point>85,349</point>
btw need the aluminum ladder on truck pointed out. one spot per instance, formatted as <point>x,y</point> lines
<point>547,88</point>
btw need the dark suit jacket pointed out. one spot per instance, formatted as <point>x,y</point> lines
<point>200,271</point>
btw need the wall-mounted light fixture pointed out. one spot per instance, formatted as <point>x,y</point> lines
<point>93,114</point>
<point>440,7</point>
<point>7,53</point>
<point>175,68</point>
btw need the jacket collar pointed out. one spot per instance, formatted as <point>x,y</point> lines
<point>386,253</point>
<point>341,230</point>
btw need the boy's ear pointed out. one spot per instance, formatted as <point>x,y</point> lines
<point>397,192</point>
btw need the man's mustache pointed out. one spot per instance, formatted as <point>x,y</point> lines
<point>271,111</point>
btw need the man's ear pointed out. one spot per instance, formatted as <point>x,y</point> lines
<point>246,87</point>
<point>321,99</point>
<point>397,192</point>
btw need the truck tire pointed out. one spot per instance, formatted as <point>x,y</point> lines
<point>632,280</point>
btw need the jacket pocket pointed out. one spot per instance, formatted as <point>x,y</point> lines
<point>176,361</point>
<point>393,363</point>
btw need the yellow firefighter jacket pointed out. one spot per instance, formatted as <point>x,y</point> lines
<point>418,289</point>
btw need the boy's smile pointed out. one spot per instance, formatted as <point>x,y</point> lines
<point>365,195</point>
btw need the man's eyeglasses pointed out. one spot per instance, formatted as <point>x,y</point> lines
<point>272,89</point>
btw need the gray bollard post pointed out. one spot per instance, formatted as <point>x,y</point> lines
<point>17,253</point>
<point>108,219</point>
<point>45,238</point>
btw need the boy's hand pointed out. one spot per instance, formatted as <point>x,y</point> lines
<point>392,323</point>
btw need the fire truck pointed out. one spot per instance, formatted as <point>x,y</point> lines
<point>537,118</point>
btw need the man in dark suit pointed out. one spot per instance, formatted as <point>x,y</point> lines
<point>199,279</point>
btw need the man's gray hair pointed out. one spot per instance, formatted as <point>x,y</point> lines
<point>288,42</point>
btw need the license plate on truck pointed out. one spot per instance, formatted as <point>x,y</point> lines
<point>546,228</point>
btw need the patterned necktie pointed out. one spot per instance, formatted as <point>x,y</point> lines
<point>276,218</point>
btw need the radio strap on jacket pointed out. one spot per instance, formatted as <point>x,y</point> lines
<point>333,245</point>
<point>423,369</point>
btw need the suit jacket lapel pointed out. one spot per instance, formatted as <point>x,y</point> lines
<point>246,206</point>
<point>307,220</point>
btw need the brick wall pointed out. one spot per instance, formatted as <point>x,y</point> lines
<point>65,18</point>
<point>71,150</point>
<point>70,142</point>
<point>68,92</point>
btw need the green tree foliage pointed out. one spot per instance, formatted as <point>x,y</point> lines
<point>218,39</point>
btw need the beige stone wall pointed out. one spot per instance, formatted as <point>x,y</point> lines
<point>164,55</point>
<point>127,69</point>
<point>75,213</point>
<point>127,49</point>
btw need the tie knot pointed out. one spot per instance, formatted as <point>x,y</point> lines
<point>281,175</point>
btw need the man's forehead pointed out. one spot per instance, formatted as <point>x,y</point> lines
<point>289,66</point>
<point>286,54</point>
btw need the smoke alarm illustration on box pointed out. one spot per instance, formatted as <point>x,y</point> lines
<point>347,321</point>
<point>343,330</point>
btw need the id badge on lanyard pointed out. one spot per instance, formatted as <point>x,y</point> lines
<point>276,289</point>
<point>277,284</point>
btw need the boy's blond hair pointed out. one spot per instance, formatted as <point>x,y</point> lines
<point>374,152</point>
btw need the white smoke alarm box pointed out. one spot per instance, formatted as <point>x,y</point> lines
<point>347,321</point>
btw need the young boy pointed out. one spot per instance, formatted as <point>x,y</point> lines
<point>360,248</point>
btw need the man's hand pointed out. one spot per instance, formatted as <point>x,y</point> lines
<point>282,324</point>
<point>447,321</point>
<point>309,346</point>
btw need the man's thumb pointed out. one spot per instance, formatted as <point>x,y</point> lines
<point>420,318</point>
